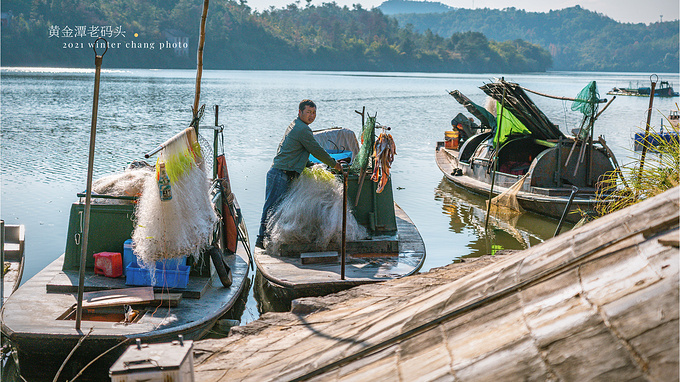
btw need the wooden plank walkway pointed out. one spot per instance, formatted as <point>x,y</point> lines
<point>596,303</point>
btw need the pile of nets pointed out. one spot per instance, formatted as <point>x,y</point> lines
<point>128,183</point>
<point>311,212</point>
<point>174,217</point>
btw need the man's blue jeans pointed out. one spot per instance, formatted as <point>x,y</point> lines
<point>277,185</point>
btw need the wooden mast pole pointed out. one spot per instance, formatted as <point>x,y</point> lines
<point>90,166</point>
<point>199,64</point>
<point>649,119</point>
<point>494,164</point>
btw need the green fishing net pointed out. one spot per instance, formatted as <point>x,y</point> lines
<point>587,100</point>
<point>368,139</point>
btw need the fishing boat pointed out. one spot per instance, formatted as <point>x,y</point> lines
<point>392,247</point>
<point>39,318</point>
<point>13,260</point>
<point>76,314</point>
<point>519,146</point>
<point>665,89</point>
<point>666,136</point>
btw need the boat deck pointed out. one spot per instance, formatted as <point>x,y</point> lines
<point>53,292</point>
<point>361,268</point>
<point>66,281</point>
<point>14,258</point>
<point>12,278</point>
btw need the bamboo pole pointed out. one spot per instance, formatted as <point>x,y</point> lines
<point>362,174</point>
<point>199,66</point>
<point>88,196</point>
<point>574,190</point>
<point>561,98</point>
<point>344,225</point>
<point>613,158</point>
<point>495,163</point>
<point>649,119</point>
<point>589,175</point>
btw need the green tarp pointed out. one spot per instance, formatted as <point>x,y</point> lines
<point>510,125</point>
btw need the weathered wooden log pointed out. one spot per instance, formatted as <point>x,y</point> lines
<point>597,303</point>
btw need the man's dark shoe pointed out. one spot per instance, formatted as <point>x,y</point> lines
<point>259,243</point>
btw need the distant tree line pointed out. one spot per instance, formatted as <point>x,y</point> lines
<point>578,39</point>
<point>296,37</point>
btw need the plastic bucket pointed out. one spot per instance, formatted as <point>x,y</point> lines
<point>451,140</point>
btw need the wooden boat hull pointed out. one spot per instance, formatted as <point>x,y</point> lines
<point>31,319</point>
<point>14,257</point>
<point>552,204</point>
<point>286,277</point>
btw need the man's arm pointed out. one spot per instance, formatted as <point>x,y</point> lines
<point>314,148</point>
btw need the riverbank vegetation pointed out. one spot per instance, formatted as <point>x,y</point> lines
<point>659,172</point>
<point>578,39</point>
<point>163,34</point>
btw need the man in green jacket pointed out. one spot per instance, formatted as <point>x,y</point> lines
<point>290,160</point>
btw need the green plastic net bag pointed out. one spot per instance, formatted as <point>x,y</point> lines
<point>367,141</point>
<point>587,100</point>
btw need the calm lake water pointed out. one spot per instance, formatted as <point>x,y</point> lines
<point>46,116</point>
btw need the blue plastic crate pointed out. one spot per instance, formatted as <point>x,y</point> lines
<point>335,154</point>
<point>128,255</point>
<point>167,276</point>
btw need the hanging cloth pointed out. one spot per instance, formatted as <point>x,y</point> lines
<point>230,234</point>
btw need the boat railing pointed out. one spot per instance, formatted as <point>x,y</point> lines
<point>484,160</point>
<point>104,196</point>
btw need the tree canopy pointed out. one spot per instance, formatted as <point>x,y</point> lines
<point>296,37</point>
<point>578,39</point>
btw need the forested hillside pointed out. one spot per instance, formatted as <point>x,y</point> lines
<point>578,39</point>
<point>142,33</point>
<point>392,7</point>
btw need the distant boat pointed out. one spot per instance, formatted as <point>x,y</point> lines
<point>393,249</point>
<point>668,136</point>
<point>665,89</point>
<point>529,146</point>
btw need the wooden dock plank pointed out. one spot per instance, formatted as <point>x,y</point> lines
<point>114,297</point>
<point>561,310</point>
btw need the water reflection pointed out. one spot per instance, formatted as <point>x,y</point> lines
<point>467,212</point>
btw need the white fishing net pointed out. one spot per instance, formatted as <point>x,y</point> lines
<point>311,212</point>
<point>128,183</point>
<point>182,225</point>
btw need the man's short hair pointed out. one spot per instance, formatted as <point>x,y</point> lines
<point>305,103</point>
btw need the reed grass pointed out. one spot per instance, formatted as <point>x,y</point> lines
<point>660,172</point>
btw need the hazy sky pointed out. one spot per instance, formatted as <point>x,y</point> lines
<point>628,11</point>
